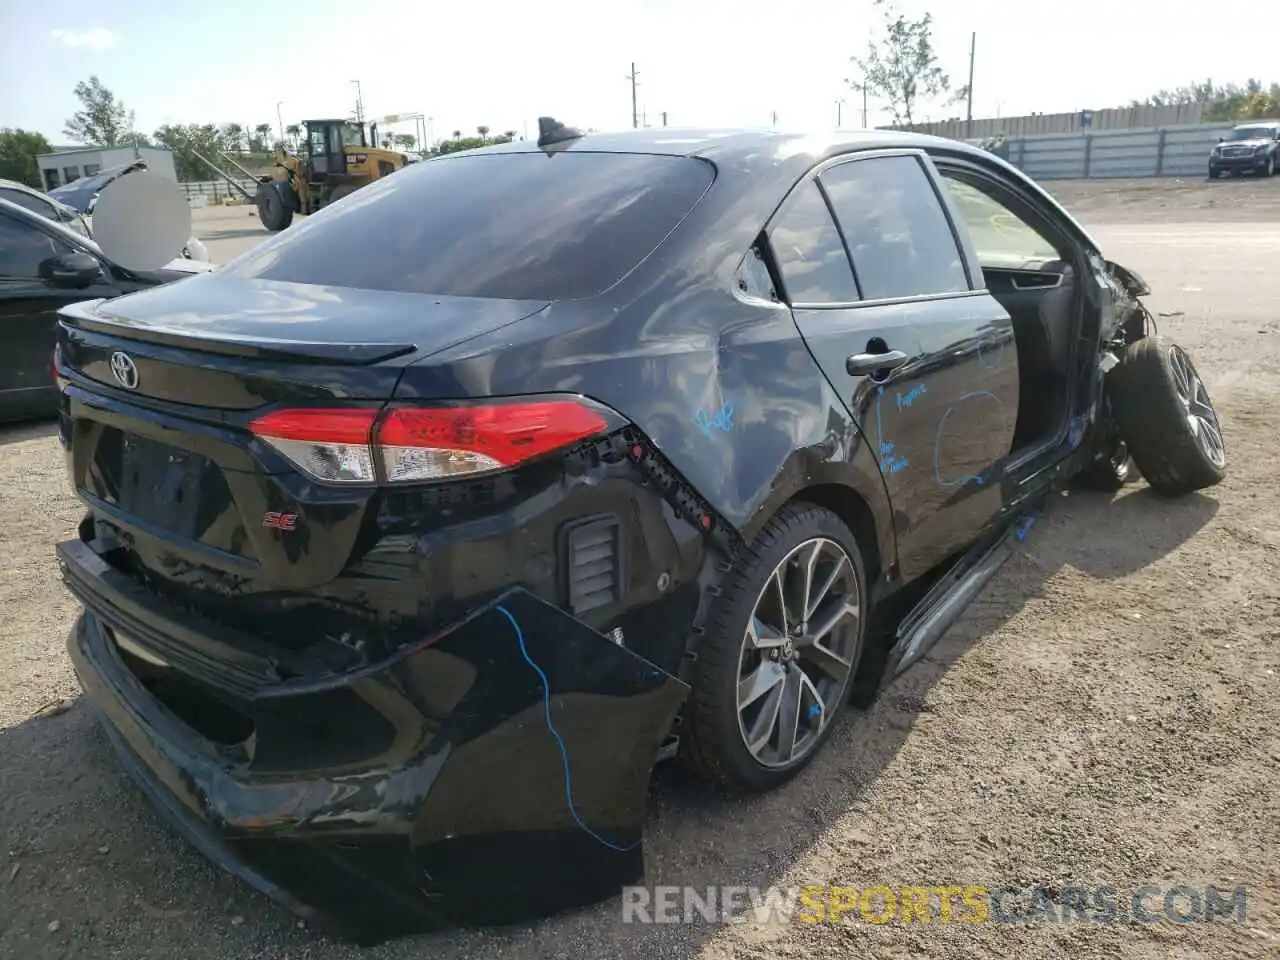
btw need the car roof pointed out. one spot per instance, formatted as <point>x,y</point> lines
<point>774,158</point>
<point>743,150</point>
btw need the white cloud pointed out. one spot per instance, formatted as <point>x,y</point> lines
<point>96,39</point>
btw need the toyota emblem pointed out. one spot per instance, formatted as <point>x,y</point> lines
<point>124,370</point>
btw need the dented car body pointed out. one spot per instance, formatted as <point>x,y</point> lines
<point>414,539</point>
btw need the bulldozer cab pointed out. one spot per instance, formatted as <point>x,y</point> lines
<point>328,142</point>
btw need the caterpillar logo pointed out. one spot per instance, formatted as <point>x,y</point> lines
<point>357,157</point>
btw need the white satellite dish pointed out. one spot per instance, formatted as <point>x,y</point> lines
<point>142,221</point>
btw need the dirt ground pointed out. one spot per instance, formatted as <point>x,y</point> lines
<point>1107,713</point>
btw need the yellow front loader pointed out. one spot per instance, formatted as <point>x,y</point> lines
<point>336,158</point>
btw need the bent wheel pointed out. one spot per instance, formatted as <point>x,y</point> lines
<point>784,642</point>
<point>1166,418</point>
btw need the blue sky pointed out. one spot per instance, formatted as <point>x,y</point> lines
<point>503,63</point>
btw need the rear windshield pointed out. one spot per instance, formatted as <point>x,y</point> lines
<point>519,226</point>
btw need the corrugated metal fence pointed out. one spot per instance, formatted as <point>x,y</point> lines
<point>1113,118</point>
<point>1179,151</point>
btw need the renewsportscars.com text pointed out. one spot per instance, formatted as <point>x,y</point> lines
<point>1179,903</point>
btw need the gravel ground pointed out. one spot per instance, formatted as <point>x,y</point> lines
<point>1105,713</point>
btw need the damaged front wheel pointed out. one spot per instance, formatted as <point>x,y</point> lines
<point>1166,418</point>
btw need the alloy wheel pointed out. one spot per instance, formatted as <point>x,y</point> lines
<point>798,652</point>
<point>1202,419</point>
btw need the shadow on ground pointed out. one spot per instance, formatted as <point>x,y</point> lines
<point>35,430</point>
<point>112,876</point>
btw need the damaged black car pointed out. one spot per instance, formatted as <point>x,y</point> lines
<point>416,535</point>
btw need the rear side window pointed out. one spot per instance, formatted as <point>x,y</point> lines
<point>898,235</point>
<point>519,226</point>
<point>807,247</point>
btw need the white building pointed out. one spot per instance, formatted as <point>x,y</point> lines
<point>65,166</point>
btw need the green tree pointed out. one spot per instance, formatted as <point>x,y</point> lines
<point>186,141</point>
<point>102,120</point>
<point>294,132</point>
<point>483,131</point>
<point>406,141</point>
<point>1254,100</point>
<point>18,151</point>
<point>902,68</point>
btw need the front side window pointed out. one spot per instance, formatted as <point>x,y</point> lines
<point>1000,236</point>
<point>23,248</point>
<point>897,231</point>
<point>807,248</point>
<point>518,226</point>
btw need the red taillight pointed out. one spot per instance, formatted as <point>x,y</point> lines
<point>425,443</point>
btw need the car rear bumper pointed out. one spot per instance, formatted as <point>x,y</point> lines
<point>514,785</point>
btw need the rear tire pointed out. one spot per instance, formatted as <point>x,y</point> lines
<point>1166,418</point>
<point>274,213</point>
<point>766,650</point>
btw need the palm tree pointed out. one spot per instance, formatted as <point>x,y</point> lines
<point>233,136</point>
<point>294,132</point>
<point>483,131</point>
<point>263,130</point>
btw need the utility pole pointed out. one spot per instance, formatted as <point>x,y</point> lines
<point>775,118</point>
<point>664,118</point>
<point>864,107</point>
<point>968,114</point>
<point>359,103</point>
<point>839,114</point>
<point>635,110</point>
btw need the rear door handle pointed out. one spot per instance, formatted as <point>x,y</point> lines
<point>865,364</point>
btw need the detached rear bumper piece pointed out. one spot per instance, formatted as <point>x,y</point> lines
<point>511,783</point>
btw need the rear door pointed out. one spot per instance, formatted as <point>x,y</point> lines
<point>874,267</point>
<point>28,317</point>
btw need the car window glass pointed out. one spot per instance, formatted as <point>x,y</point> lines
<point>807,248</point>
<point>520,226</point>
<point>1001,237</point>
<point>898,235</point>
<point>23,248</point>
<point>32,203</point>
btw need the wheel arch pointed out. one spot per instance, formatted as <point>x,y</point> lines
<point>854,512</point>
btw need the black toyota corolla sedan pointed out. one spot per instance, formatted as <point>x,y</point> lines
<point>417,534</point>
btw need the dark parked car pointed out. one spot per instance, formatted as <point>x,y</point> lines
<point>43,204</point>
<point>45,266</point>
<point>1248,148</point>
<point>415,535</point>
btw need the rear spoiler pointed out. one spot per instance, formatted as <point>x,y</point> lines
<point>86,316</point>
